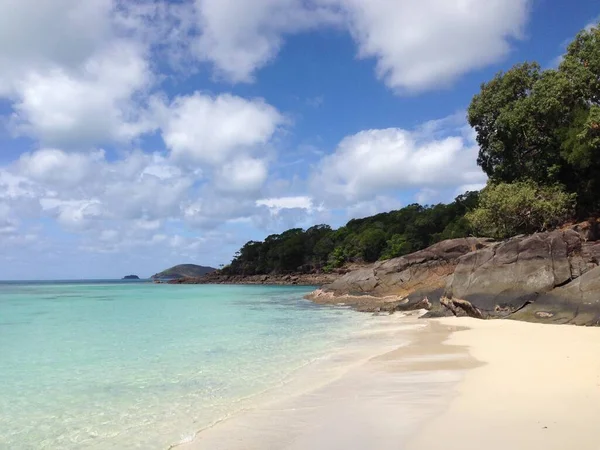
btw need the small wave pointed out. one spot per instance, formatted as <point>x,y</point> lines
<point>185,439</point>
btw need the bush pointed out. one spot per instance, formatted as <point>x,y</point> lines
<point>396,246</point>
<point>508,209</point>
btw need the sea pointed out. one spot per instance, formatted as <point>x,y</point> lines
<point>137,365</point>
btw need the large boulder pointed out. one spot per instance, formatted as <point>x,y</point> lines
<point>545,270</point>
<point>420,274</point>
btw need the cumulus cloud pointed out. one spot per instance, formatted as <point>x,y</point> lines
<point>92,105</point>
<point>425,44</point>
<point>84,84</point>
<point>243,175</point>
<point>416,45</point>
<point>58,168</point>
<point>210,211</point>
<point>202,128</point>
<point>84,190</point>
<point>38,35</point>
<point>239,36</point>
<point>384,160</point>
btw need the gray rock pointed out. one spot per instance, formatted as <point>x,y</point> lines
<point>549,277</point>
<point>424,270</point>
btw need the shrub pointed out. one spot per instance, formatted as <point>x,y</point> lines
<point>508,209</point>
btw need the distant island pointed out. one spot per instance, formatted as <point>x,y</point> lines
<point>183,271</point>
<point>131,277</point>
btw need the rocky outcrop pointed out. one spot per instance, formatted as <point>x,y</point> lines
<point>401,283</point>
<point>546,277</point>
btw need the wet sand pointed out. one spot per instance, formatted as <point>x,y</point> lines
<point>446,384</point>
<point>373,396</point>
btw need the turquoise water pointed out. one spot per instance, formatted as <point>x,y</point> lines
<point>140,365</point>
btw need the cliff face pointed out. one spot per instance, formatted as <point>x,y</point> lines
<point>546,277</point>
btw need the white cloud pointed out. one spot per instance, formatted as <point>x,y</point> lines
<point>41,34</point>
<point>422,45</point>
<point>374,162</point>
<point>211,210</point>
<point>92,105</point>
<point>416,45</point>
<point>376,205</point>
<point>426,195</point>
<point>73,214</point>
<point>201,128</point>
<point>85,190</point>
<point>276,204</point>
<point>243,175</point>
<point>239,36</point>
<point>58,168</point>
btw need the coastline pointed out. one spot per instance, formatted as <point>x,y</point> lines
<point>293,279</point>
<point>390,377</point>
<point>529,385</point>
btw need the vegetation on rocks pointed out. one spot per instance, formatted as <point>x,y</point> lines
<point>523,207</point>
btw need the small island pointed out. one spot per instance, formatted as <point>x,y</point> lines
<point>131,277</point>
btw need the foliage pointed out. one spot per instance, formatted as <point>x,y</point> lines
<point>544,125</point>
<point>382,236</point>
<point>507,209</point>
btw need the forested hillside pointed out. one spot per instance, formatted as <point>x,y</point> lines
<point>382,236</point>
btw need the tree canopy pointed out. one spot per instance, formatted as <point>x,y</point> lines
<point>544,125</point>
<point>507,209</point>
<point>382,236</point>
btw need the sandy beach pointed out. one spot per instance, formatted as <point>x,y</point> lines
<point>538,389</point>
<point>459,384</point>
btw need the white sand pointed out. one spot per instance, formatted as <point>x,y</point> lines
<point>528,387</point>
<point>371,396</point>
<point>539,389</point>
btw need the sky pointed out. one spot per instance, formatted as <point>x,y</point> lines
<point>139,134</point>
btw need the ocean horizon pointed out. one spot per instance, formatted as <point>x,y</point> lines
<point>103,364</point>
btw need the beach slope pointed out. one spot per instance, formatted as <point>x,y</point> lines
<point>538,389</point>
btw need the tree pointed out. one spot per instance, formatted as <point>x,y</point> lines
<point>545,125</point>
<point>396,246</point>
<point>507,209</point>
<point>371,242</point>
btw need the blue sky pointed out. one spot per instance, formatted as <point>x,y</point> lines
<point>142,134</point>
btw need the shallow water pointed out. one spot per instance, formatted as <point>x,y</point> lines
<point>139,365</point>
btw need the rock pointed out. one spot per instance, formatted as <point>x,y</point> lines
<point>538,277</point>
<point>549,277</point>
<point>425,270</point>
<point>314,279</point>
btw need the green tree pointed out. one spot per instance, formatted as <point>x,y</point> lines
<point>396,246</point>
<point>544,125</point>
<point>507,209</point>
<point>371,242</point>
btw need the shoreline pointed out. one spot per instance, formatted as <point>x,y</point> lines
<point>529,385</point>
<point>396,354</point>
